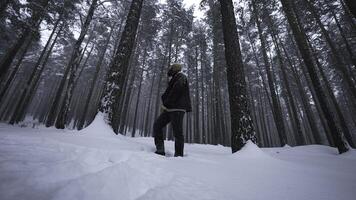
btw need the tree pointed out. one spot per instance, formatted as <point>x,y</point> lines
<point>73,67</point>
<point>277,112</point>
<point>300,38</point>
<point>32,82</point>
<point>344,72</point>
<point>214,21</point>
<point>118,69</point>
<point>92,85</point>
<point>38,12</point>
<point>242,128</point>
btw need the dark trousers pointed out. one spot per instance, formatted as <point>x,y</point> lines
<point>176,120</point>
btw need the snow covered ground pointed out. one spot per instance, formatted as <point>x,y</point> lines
<point>45,163</point>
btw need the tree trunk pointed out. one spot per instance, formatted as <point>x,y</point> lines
<point>217,64</point>
<point>331,94</point>
<point>139,93</point>
<point>93,83</point>
<point>83,66</point>
<point>264,87</point>
<point>31,83</point>
<point>349,83</point>
<point>296,123</point>
<point>298,127</point>
<point>6,87</point>
<point>11,102</point>
<point>29,30</point>
<point>161,74</point>
<point>342,33</point>
<point>197,97</point>
<point>278,117</point>
<point>149,109</point>
<point>73,67</point>
<point>304,99</point>
<point>128,90</point>
<point>302,44</point>
<point>118,69</point>
<point>241,123</point>
<point>202,68</point>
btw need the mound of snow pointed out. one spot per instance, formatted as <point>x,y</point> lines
<point>98,127</point>
<point>251,150</point>
<point>54,164</point>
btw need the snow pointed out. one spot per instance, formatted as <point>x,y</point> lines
<point>98,127</point>
<point>45,163</point>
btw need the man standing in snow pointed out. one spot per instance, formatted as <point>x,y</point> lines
<point>176,101</point>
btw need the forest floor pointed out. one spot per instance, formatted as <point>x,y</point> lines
<point>45,163</point>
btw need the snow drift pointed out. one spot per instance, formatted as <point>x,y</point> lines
<point>98,127</point>
<point>96,164</point>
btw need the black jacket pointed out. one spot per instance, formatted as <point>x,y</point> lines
<point>176,95</point>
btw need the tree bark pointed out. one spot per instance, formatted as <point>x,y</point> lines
<point>118,69</point>
<point>242,128</point>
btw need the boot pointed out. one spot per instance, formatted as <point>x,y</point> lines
<point>162,153</point>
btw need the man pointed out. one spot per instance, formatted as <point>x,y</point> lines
<point>176,101</point>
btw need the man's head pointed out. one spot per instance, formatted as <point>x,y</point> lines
<point>174,68</point>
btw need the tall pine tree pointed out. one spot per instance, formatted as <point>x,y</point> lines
<point>242,128</point>
<point>118,69</point>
